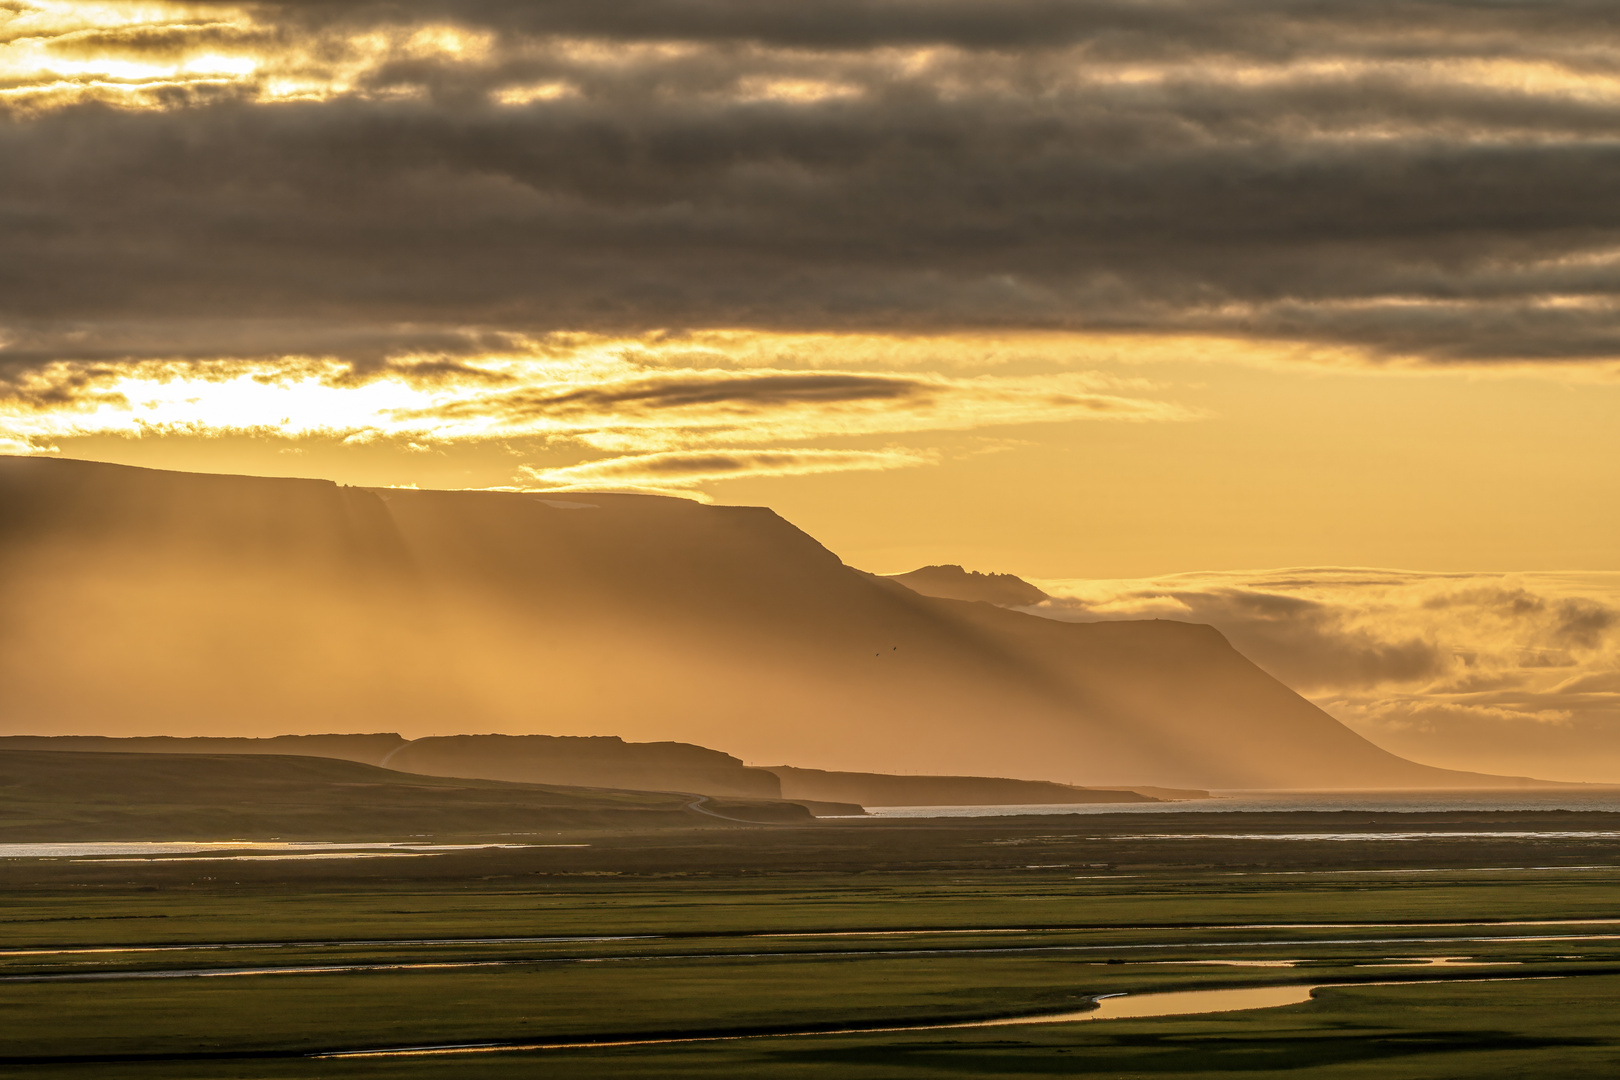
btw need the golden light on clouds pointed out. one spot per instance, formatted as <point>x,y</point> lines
<point>1504,673</point>
<point>660,402</point>
<point>57,52</point>
<point>681,469</point>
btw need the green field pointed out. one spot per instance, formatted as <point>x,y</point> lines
<point>748,941</point>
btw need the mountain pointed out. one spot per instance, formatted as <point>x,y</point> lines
<point>601,761</point>
<point>144,601</point>
<point>604,761</point>
<point>371,749</point>
<point>596,761</point>
<point>83,795</point>
<point>955,583</point>
<point>880,789</point>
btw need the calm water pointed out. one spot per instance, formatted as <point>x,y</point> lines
<point>1170,1003</point>
<point>1114,1007</point>
<point>236,849</point>
<point>1575,798</point>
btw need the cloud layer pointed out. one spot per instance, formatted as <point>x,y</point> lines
<point>677,413</point>
<point>680,468</point>
<point>1427,180</point>
<point>1516,674</point>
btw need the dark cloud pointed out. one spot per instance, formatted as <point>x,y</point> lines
<point>1274,29</point>
<point>703,393</point>
<point>1315,173</point>
<point>1584,623</point>
<point>618,411</point>
<point>1569,622</point>
<point>148,42</point>
<point>683,467</point>
<point>747,392</point>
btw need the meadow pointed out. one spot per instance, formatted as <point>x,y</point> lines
<point>1477,945</point>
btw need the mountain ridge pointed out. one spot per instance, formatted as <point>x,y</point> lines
<point>592,761</point>
<point>951,582</point>
<point>192,603</point>
<point>84,795</point>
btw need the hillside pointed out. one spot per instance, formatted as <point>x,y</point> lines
<point>609,762</point>
<point>600,761</point>
<point>84,795</point>
<point>955,583</point>
<point>594,762</point>
<point>370,749</point>
<point>879,789</point>
<point>142,601</point>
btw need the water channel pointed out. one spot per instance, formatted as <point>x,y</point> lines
<point>1111,1007</point>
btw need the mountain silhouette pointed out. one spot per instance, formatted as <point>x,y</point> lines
<point>954,583</point>
<point>141,601</point>
<point>880,789</point>
<point>598,761</point>
<point>85,795</point>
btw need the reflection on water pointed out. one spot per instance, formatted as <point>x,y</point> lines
<point>1549,834</point>
<point>1172,1003</point>
<point>1112,1007</point>
<point>235,849</point>
<point>1439,961</point>
<point>1223,963</point>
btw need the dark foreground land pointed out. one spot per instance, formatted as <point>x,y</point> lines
<point>1443,945</point>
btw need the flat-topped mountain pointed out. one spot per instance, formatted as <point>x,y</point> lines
<point>139,600</point>
<point>955,583</point>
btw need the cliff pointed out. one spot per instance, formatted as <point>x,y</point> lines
<point>144,602</point>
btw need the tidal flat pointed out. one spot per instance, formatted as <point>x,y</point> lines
<point>1483,944</point>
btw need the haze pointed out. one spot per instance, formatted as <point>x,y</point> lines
<point>1298,321</point>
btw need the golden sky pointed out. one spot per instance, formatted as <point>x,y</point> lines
<point>1112,289</point>
<point>1049,455</point>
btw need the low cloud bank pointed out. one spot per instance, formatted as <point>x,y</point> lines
<point>1507,673</point>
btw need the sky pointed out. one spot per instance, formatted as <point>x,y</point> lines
<point>1148,297</point>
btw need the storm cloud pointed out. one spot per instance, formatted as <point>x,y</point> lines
<point>1424,182</point>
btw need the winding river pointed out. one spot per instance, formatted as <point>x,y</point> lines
<point>1111,1007</point>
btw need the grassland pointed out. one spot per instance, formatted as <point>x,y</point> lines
<point>746,936</point>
